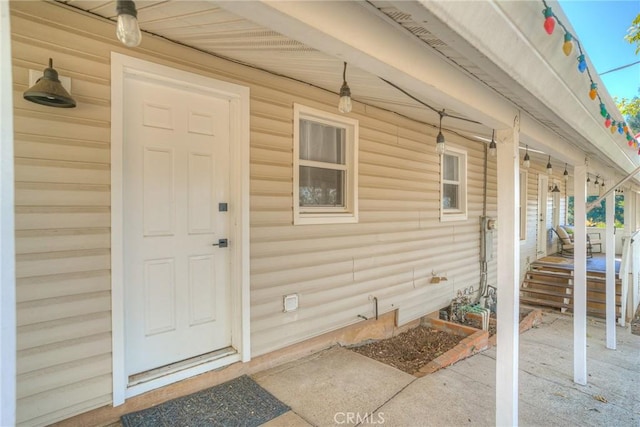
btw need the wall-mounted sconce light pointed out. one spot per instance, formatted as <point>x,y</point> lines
<point>565,174</point>
<point>127,28</point>
<point>440,138</point>
<point>526,161</point>
<point>492,145</point>
<point>549,167</point>
<point>49,91</point>
<point>344,106</point>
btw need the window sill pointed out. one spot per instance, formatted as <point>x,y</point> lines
<point>307,219</point>
<point>453,217</point>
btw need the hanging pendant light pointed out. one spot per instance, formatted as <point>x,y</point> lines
<point>555,188</point>
<point>344,106</point>
<point>127,28</point>
<point>549,167</point>
<point>492,145</point>
<point>565,174</point>
<point>526,162</point>
<point>596,183</point>
<point>49,91</point>
<point>588,179</point>
<point>440,138</point>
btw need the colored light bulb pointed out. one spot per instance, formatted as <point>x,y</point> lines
<point>612,124</point>
<point>620,131</point>
<point>567,47</point>
<point>625,128</point>
<point>630,143</point>
<point>603,110</point>
<point>593,93</point>
<point>549,22</point>
<point>582,63</point>
<point>607,122</point>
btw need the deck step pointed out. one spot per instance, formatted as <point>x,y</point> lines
<point>544,302</point>
<point>544,292</point>
<point>547,283</point>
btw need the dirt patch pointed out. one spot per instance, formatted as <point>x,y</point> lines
<point>475,322</point>
<point>410,350</point>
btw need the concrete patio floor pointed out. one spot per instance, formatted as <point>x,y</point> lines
<point>340,387</point>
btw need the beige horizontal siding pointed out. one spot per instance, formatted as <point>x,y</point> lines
<point>63,215</point>
<point>62,197</point>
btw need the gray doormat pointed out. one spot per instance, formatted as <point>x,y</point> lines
<point>239,402</point>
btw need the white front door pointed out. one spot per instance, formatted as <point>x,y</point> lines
<point>176,190</point>
<point>543,188</point>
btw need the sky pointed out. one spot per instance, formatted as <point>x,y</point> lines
<point>601,25</point>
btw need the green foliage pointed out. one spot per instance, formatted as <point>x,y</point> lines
<point>630,109</point>
<point>596,217</point>
<point>633,33</point>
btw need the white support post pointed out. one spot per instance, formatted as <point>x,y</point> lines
<point>7,230</point>
<point>610,297</point>
<point>508,274</point>
<point>580,276</point>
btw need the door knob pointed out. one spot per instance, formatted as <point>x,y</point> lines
<point>222,243</point>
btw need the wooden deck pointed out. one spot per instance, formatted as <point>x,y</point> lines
<point>549,283</point>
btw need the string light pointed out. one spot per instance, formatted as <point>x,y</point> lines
<point>440,138</point>
<point>582,63</point>
<point>567,46</point>
<point>550,20</point>
<point>344,105</point>
<point>492,145</point>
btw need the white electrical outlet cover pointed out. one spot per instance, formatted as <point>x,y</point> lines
<point>290,302</point>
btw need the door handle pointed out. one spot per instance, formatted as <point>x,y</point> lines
<point>222,243</point>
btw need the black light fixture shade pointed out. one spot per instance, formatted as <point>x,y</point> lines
<point>565,173</point>
<point>49,91</point>
<point>549,167</point>
<point>555,189</point>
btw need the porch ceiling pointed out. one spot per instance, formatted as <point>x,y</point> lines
<point>206,26</point>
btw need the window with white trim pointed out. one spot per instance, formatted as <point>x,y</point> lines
<point>453,187</point>
<point>325,161</point>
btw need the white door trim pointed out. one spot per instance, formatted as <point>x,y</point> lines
<point>238,96</point>
<point>7,230</point>
<point>542,218</point>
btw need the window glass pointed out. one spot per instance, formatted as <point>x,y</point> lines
<point>322,143</point>
<point>450,196</point>
<point>321,187</point>
<point>450,164</point>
